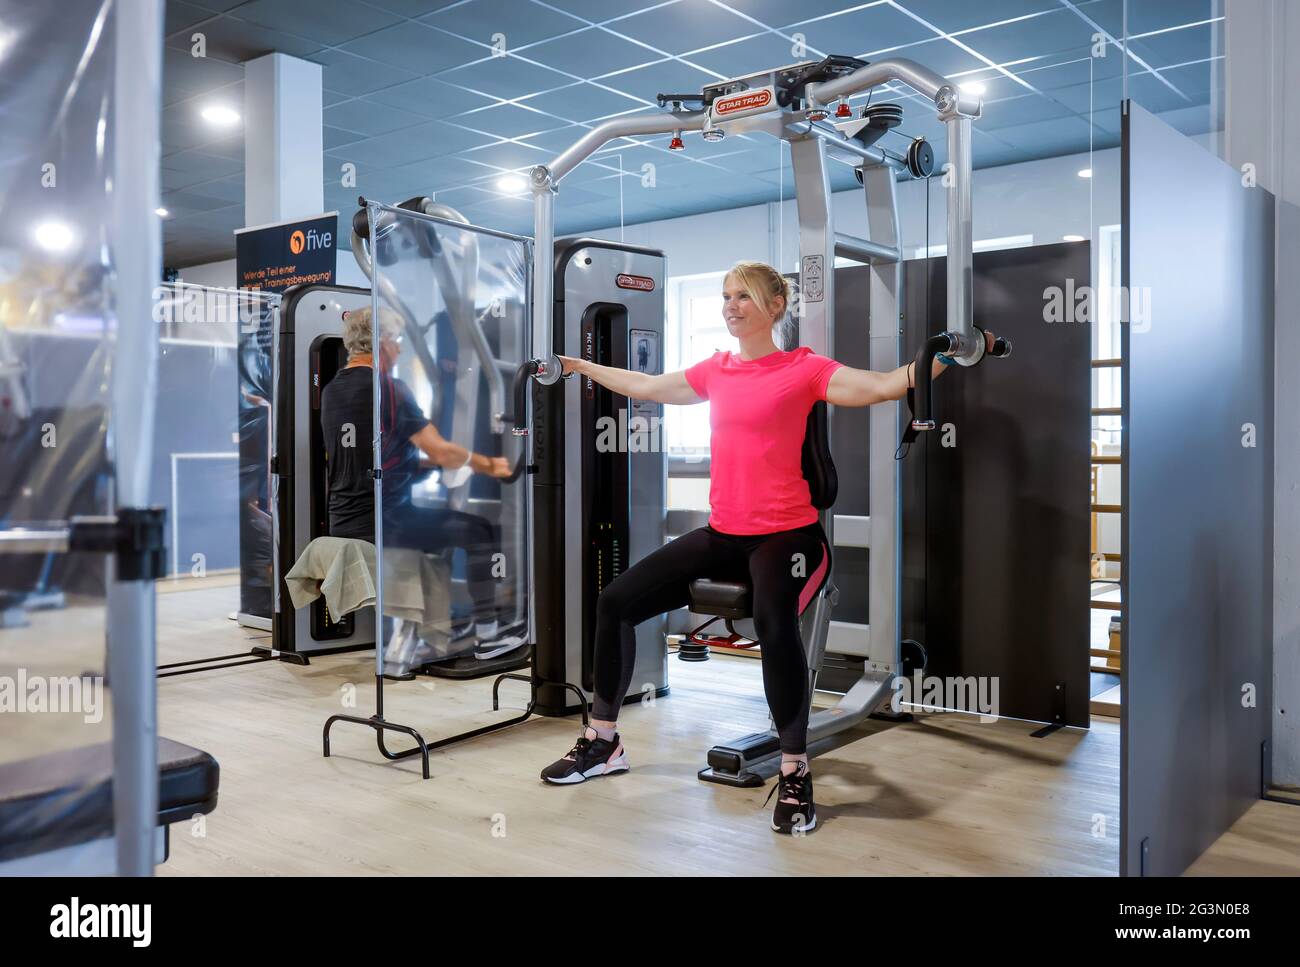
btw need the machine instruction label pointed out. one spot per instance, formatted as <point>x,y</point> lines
<point>812,280</point>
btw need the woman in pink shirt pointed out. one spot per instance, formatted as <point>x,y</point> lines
<point>762,526</point>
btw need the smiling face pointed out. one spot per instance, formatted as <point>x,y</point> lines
<point>742,313</point>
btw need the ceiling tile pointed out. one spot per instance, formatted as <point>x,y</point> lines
<point>1106,14</point>
<point>429,140</point>
<point>662,77</point>
<point>367,117</point>
<point>597,11</point>
<point>439,174</point>
<point>1021,110</point>
<point>412,8</point>
<point>748,56</point>
<point>1061,30</point>
<point>337,137</point>
<point>942,56</point>
<point>234,40</point>
<point>858,32</point>
<point>193,201</point>
<point>598,51</point>
<point>783,13</point>
<point>1148,90</point>
<point>522,25</point>
<point>349,74</point>
<point>326,23</point>
<point>509,77</point>
<point>583,102</point>
<point>1176,46</point>
<point>507,155</point>
<point>229,189</point>
<point>430,98</point>
<point>557,139</point>
<point>506,120</point>
<point>685,25</point>
<point>1147,15</point>
<point>950,17</point>
<point>181,16</point>
<point>415,47</point>
<point>185,76</point>
<point>1067,135</point>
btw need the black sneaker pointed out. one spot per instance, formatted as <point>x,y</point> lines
<point>590,757</point>
<point>799,816</point>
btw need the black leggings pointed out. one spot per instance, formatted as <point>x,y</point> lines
<point>785,570</point>
<point>435,529</point>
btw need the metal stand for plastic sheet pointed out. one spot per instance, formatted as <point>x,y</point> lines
<point>254,656</point>
<point>363,238</point>
<point>422,747</point>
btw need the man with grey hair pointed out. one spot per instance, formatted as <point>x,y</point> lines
<point>412,447</point>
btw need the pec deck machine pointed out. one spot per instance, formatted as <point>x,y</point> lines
<point>806,105</point>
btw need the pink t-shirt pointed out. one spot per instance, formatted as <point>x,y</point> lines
<point>758,412</point>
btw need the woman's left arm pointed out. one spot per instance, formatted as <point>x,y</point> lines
<point>862,387</point>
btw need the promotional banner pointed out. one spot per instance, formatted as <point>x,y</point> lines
<point>274,257</point>
<point>270,258</point>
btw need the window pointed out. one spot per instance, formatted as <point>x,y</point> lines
<point>1106,333</point>
<point>694,331</point>
<point>979,245</point>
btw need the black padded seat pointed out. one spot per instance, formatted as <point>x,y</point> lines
<point>732,600</point>
<point>726,599</point>
<point>66,798</point>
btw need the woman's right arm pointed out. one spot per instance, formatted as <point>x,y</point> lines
<point>664,388</point>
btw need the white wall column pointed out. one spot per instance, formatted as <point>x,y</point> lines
<point>283,140</point>
<point>1262,128</point>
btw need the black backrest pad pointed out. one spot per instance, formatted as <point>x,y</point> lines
<point>818,467</point>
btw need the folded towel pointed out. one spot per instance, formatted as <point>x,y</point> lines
<point>417,587</point>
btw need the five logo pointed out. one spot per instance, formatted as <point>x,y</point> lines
<point>312,240</point>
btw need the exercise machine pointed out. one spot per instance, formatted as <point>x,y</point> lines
<point>598,508</point>
<point>308,353</point>
<point>795,104</point>
<point>577,522</point>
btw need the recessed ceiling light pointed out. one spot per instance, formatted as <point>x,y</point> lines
<point>220,114</point>
<point>161,212</point>
<point>1085,173</point>
<point>53,236</point>
<point>1072,238</point>
<point>511,184</point>
<point>972,87</point>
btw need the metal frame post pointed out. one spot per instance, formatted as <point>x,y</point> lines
<point>137,254</point>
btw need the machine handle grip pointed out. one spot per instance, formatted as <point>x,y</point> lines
<point>945,342</point>
<point>518,418</point>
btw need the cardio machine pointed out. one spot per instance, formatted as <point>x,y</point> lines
<point>795,104</point>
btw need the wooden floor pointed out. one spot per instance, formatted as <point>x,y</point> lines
<point>942,795</point>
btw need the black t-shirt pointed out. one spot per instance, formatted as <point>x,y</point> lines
<point>347,423</point>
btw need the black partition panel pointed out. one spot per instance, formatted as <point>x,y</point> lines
<point>996,530</point>
<point>1197,494</point>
